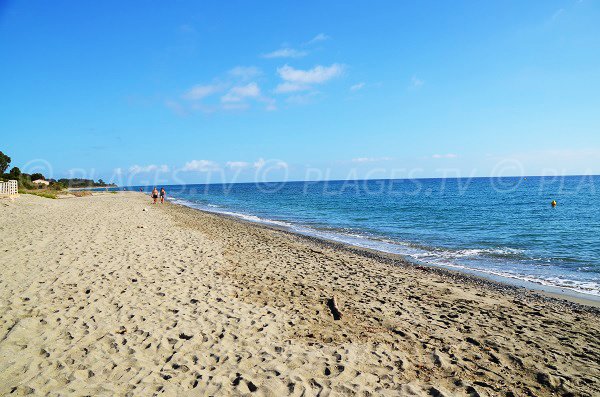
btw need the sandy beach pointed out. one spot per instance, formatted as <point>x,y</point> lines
<point>110,295</point>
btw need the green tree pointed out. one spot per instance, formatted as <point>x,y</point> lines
<point>36,176</point>
<point>4,162</point>
<point>15,172</point>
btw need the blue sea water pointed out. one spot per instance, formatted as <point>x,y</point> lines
<point>498,226</point>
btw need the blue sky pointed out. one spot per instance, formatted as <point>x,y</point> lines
<point>253,90</point>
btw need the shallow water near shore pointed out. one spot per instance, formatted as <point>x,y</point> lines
<point>500,227</point>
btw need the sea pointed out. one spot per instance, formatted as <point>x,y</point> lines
<point>501,228</point>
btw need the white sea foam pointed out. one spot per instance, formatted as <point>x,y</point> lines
<point>583,287</point>
<point>216,209</point>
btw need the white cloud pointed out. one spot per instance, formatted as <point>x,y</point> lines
<point>136,169</point>
<point>235,98</point>
<point>260,163</point>
<point>285,53</point>
<point>245,72</point>
<point>238,93</point>
<point>118,171</point>
<point>358,86</point>
<point>202,91</point>
<point>445,156</point>
<point>370,159</point>
<point>416,82</point>
<point>290,87</point>
<point>201,166</point>
<point>318,74</point>
<point>237,164</point>
<point>317,38</point>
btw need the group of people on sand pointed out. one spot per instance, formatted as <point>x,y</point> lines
<point>155,195</point>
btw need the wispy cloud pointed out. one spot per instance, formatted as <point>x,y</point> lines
<point>245,72</point>
<point>445,156</point>
<point>239,93</point>
<point>296,80</point>
<point>289,52</point>
<point>136,169</point>
<point>357,87</point>
<point>230,93</point>
<point>286,53</point>
<point>370,159</point>
<point>317,75</point>
<point>318,38</point>
<point>201,91</point>
<point>201,166</point>
<point>261,162</point>
<point>290,87</point>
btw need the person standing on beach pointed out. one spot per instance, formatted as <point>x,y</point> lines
<point>154,195</point>
<point>162,195</point>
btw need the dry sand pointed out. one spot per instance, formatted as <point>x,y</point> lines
<point>98,297</point>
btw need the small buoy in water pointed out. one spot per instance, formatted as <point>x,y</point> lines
<point>553,203</point>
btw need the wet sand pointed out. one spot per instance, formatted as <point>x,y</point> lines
<point>99,297</point>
